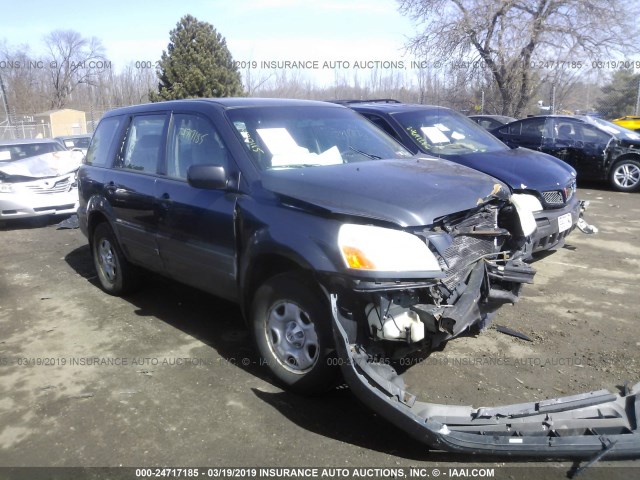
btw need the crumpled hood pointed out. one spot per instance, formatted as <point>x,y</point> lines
<point>51,164</point>
<point>521,166</point>
<point>407,192</point>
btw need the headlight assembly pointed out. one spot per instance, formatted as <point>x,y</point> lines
<point>525,206</point>
<point>366,247</point>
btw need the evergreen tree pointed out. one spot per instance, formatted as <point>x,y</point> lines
<point>619,96</point>
<point>196,64</point>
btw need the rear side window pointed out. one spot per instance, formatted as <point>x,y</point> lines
<point>98,152</point>
<point>512,129</point>
<point>143,148</point>
<point>193,140</point>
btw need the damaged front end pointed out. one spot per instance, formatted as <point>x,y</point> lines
<point>39,185</point>
<point>480,257</point>
<point>479,269</point>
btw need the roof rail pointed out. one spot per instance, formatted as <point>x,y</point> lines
<point>373,100</point>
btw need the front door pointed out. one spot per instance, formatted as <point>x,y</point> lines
<point>196,227</point>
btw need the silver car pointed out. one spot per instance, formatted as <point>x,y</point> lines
<point>37,177</point>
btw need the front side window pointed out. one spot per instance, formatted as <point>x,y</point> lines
<point>383,124</point>
<point>298,137</point>
<point>193,140</point>
<point>569,131</point>
<point>143,148</point>
<point>445,132</point>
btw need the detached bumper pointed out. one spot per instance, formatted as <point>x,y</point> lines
<point>548,222</point>
<point>579,426</point>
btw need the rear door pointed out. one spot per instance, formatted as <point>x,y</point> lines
<point>526,133</point>
<point>582,146</point>
<point>130,188</point>
<point>196,227</point>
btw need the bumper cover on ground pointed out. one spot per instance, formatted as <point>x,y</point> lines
<point>578,426</point>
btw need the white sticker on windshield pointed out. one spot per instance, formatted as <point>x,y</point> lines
<point>69,143</point>
<point>435,135</point>
<point>457,136</point>
<point>286,152</point>
<point>278,140</point>
<point>441,127</point>
<point>5,155</point>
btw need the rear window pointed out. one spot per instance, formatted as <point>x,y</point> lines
<point>98,152</point>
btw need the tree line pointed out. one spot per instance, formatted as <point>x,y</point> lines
<point>503,56</point>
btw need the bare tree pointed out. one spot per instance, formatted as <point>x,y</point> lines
<point>24,77</point>
<point>72,60</point>
<point>513,38</point>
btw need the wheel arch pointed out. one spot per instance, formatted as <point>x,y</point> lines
<point>624,156</point>
<point>265,266</point>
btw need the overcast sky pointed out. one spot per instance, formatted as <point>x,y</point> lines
<point>257,30</point>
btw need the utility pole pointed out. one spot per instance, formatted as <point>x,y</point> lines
<point>5,103</point>
<point>638,100</point>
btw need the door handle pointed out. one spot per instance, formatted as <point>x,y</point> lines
<point>164,204</point>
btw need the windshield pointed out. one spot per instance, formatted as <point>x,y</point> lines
<point>613,129</point>
<point>297,137</point>
<point>443,132</point>
<point>19,151</point>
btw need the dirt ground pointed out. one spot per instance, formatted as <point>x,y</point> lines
<point>169,376</point>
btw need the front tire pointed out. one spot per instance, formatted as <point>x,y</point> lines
<point>116,275</point>
<point>292,328</point>
<point>625,176</point>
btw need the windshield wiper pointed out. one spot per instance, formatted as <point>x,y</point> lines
<point>297,165</point>
<point>364,154</point>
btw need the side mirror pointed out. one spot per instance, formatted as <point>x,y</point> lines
<point>209,177</point>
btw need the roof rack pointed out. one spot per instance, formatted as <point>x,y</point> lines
<point>373,100</point>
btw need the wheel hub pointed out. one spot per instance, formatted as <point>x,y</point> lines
<point>292,337</point>
<point>627,175</point>
<point>107,260</point>
<point>295,335</point>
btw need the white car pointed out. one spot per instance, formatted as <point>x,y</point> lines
<point>37,177</point>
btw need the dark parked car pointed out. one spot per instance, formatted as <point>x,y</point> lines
<point>489,122</point>
<point>338,258</point>
<point>75,142</point>
<point>274,204</point>
<point>444,133</point>
<point>596,148</point>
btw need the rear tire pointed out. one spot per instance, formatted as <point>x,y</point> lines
<point>116,275</point>
<point>292,328</point>
<point>625,175</point>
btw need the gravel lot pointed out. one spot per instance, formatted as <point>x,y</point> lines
<point>169,376</point>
